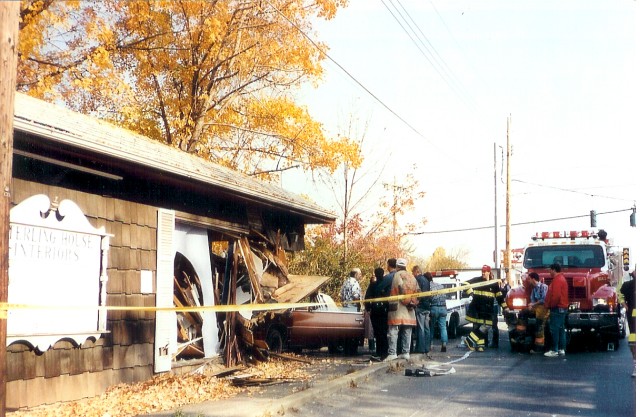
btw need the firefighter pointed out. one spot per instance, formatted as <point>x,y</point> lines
<point>536,305</point>
<point>481,312</point>
<point>628,291</point>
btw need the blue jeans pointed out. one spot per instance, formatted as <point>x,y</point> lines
<point>556,326</point>
<point>423,339</point>
<point>404,332</point>
<point>439,317</point>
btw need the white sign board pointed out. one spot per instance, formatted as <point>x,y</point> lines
<point>57,264</point>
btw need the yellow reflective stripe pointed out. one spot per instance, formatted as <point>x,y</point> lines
<point>485,293</point>
<point>468,343</point>
<point>479,321</point>
<point>633,312</point>
<point>632,337</point>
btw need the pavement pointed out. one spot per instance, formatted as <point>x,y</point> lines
<point>284,399</point>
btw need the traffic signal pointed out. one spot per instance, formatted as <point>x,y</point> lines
<point>506,260</point>
<point>632,218</point>
<point>625,258</point>
<point>594,221</point>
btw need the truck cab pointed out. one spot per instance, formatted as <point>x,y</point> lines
<point>588,265</point>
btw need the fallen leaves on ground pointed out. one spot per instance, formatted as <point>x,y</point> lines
<point>163,393</point>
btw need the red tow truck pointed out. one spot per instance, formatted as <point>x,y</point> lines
<point>593,268</point>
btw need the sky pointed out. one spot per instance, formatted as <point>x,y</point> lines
<point>432,84</point>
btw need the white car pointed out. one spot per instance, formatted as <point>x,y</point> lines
<point>457,302</point>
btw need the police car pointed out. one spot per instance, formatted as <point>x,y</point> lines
<point>457,301</point>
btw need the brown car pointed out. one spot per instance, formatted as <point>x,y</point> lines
<point>313,328</point>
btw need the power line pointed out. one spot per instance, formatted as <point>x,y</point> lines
<point>515,224</point>
<point>406,123</point>
<point>369,92</point>
<point>436,61</point>
<point>571,191</point>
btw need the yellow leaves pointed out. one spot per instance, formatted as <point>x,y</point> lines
<point>163,392</point>
<point>212,78</point>
<point>101,57</point>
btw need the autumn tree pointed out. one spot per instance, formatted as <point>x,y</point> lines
<point>372,218</point>
<point>359,194</point>
<point>213,78</point>
<point>440,260</point>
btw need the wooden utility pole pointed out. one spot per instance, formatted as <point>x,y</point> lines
<point>507,247</point>
<point>9,18</point>
<point>496,258</point>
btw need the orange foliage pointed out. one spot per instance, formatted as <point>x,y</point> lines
<point>213,78</point>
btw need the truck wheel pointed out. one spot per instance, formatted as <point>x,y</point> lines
<point>452,331</point>
<point>616,344</point>
<point>275,340</point>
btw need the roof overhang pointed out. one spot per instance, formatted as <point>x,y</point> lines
<point>48,131</point>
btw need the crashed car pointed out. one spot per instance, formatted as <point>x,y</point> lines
<point>322,325</point>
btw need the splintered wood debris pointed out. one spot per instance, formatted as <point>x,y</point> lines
<point>169,392</point>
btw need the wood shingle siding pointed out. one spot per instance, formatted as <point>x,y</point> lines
<point>127,350</point>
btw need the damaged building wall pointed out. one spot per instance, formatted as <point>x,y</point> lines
<point>127,183</point>
<point>125,353</point>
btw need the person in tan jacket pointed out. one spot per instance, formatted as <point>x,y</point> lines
<point>402,313</point>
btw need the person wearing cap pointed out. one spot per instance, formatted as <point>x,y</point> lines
<point>481,312</point>
<point>557,301</point>
<point>401,316</point>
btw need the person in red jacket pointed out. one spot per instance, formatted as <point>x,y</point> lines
<point>557,302</point>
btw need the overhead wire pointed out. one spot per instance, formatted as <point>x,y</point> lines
<point>570,190</point>
<point>352,77</point>
<point>424,45</point>
<point>515,224</point>
<point>471,169</point>
<point>427,49</point>
<point>411,28</point>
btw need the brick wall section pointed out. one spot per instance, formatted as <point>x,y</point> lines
<point>68,372</point>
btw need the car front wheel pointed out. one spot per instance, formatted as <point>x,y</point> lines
<point>453,327</point>
<point>275,340</point>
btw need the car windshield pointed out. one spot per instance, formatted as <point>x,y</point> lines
<point>446,283</point>
<point>450,295</point>
<point>326,303</point>
<point>568,256</point>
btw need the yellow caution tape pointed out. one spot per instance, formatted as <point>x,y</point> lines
<point>462,287</point>
<point>217,308</point>
<point>5,307</point>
